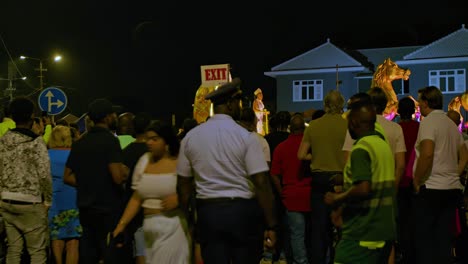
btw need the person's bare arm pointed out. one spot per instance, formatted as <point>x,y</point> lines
<point>304,151</point>
<point>170,202</point>
<point>255,106</point>
<point>346,155</point>
<point>69,177</point>
<point>265,197</point>
<point>361,189</point>
<point>277,182</point>
<point>185,188</point>
<point>133,206</point>
<point>400,165</point>
<point>119,172</point>
<point>424,163</point>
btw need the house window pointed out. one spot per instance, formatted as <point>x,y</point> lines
<point>448,81</point>
<point>307,90</point>
<point>401,87</point>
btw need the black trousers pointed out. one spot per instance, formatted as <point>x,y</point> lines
<point>95,244</point>
<point>230,231</point>
<point>434,216</point>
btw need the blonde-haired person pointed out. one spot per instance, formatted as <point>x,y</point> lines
<point>64,224</point>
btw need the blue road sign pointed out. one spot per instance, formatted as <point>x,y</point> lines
<point>53,100</point>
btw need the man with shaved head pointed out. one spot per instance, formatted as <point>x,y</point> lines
<point>125,129</point>
<point>369,226</point>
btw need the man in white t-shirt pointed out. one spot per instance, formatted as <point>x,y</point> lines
<point>393,132</point>
<point>441,156</point>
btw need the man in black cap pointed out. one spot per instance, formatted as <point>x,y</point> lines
<point>95,167</point>
<point>231,182</point>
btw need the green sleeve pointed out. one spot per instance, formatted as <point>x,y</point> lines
<point>47,132</point>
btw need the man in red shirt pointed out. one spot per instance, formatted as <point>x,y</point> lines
<point>410,127</point>
<point>294,188</point>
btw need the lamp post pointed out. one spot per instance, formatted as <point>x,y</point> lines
<point>41,69</point>
<point>10,88</point>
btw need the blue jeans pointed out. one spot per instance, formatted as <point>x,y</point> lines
<point>297,227</point>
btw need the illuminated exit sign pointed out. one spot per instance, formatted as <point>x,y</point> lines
<point>213,75</point>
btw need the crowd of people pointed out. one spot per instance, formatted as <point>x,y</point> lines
<point>341,187</point>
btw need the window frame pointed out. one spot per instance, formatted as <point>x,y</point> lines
<point>455,77</point>
<point>301,86</point>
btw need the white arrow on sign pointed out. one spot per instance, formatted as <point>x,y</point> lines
<point>49,96</point>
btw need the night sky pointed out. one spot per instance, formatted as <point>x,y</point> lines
<point>146,56</point>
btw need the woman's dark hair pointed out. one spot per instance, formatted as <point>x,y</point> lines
<point>406,108</point>
<point>280,121</point>
<point>21,109</point>
<point>141,121</point>
<point>167,132</point>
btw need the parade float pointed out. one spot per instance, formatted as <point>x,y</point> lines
<point>386,73</point>
<point>212,76</point>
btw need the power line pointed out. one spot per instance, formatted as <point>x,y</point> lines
<point>16,67</point>
<point>9,56</point>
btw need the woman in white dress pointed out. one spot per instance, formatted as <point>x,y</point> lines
<point>259,108</point>
<point>154,181</point>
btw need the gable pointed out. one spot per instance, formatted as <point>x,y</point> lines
<point>324,56</point>
<point>377,55</point>
<point>452,45</point>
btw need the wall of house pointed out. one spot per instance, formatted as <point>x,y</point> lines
<point>419,78</point>
<point>364,84</point>
<point>284,98</point>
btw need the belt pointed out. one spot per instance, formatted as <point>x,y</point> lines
<point>18,202</point>
<point>221,200</point>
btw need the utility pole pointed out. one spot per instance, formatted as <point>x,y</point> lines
<point>41,75</point>
<point>10,89</point>
<point>41,69</point>
<point>11,76</point>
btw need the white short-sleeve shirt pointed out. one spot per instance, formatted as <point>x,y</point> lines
<point>393,134</point>
<point>440,129</point>
<point>221,155</point>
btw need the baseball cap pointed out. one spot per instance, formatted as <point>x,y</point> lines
<point>225,92</point>
<point>100,108</point>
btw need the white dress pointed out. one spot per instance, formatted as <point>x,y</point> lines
<point>166,234</point>
<point>259,105</point>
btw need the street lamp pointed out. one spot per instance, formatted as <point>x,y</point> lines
<point>10,88</point>
<point>40,69</point>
